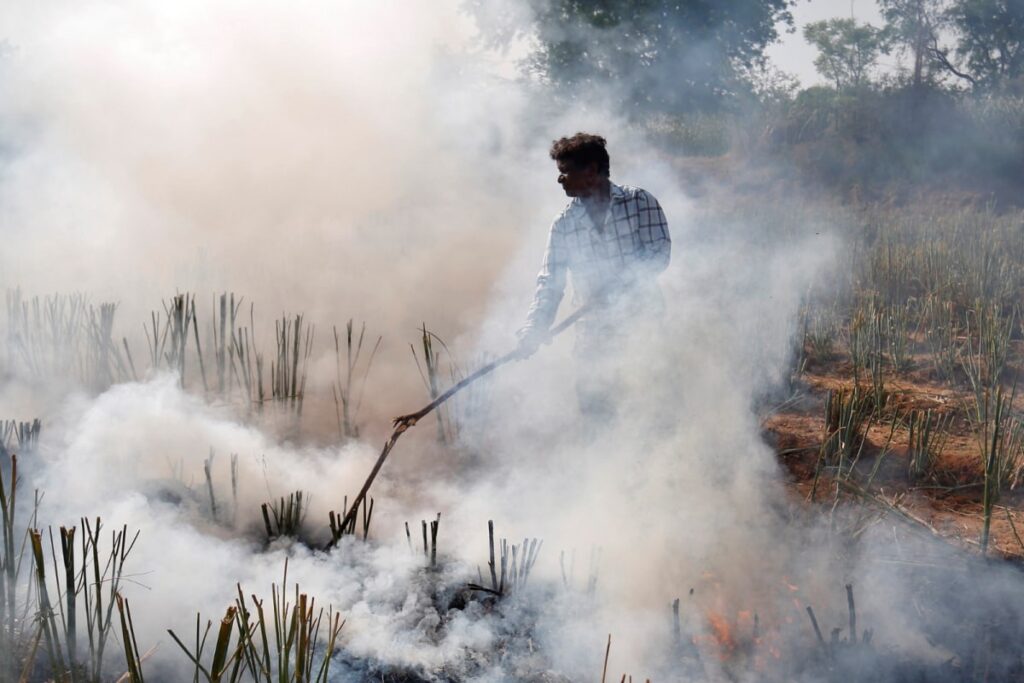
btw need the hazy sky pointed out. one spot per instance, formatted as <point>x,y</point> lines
<point>794,55</point>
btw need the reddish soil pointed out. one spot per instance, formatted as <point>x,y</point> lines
<point>947,504</point>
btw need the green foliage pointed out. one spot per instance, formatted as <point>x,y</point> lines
<point>1000,437</point>
<point>927,437</point>
<point>668,56</point>
<point>871,135</point>
<point>888,141</point>
<point>990,39</point>
<point>847,417</point>
<point>696,134</point>
<point>847,51</point>
<point>821,329</point>
<point>914,29</point>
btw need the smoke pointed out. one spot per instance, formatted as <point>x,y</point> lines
<point>370,160</point>
<point>680,486</point>
<point>295,156</point>
<point>131,457</point>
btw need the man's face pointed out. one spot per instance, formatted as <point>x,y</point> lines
<point>578,181</point>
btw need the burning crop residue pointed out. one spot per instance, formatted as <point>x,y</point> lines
<point>224,494</point>
<point>721,635</point>
<point>225,193</point>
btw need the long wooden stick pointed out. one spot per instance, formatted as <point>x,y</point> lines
<point>413,418</point>
<point>404,422</point>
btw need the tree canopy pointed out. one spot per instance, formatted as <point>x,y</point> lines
<point>847,50</point>
<point>671,56</point>
<point>990,39</point>
<point>914,28</point>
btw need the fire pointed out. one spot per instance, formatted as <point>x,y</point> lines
<point>742,637</point>
<point>722,633</point>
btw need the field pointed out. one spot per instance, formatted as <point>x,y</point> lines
<point>904,385</point>
<point>908,375</point>
<point>265,414</point>
<point>899,410</point>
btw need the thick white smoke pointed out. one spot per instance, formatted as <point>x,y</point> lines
<point>366,160</point>
<point>344,161</point>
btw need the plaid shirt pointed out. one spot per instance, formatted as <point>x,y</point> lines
<point>625,253</point>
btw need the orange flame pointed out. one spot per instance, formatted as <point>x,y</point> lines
<point>721,632</point>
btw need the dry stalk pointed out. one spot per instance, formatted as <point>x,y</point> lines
<point>284,517</point>
<point>16,436</point>
<point>88,580</point>
<point>208,473</point>
<point>515,561</point>
<point>430,373</point>
<point>339,527</point>
<point>61,337</point>
<point>247,362</point>
<point>346,392</point>
<point>252,644</point>
<point>607,651</point>
<point>224,318</point>
<point>131,646</point>
<point>11,619</point>
<point>288,372</point>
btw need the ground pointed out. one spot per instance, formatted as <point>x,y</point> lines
<point>947,505</point>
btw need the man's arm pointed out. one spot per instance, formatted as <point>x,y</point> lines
<point>550,289</point>
<point>653,232</point>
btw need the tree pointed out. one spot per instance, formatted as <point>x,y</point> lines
<point>668,55</point>
<point>770,85</point>
<point>914,28</point>
<point>990,40</point>
<point>847,51</point>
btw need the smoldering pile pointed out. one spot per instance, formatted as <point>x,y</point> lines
<point>409,616</point>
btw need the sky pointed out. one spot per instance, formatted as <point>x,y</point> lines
<point>793,55</point>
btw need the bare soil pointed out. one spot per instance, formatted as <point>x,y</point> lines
<point>946,504</point>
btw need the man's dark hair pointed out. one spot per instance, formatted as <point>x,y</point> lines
<point>581,150</point>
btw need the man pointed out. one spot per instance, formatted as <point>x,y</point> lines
<point>614,241</point>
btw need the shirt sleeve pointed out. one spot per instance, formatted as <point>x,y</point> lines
<point>550,284</point>
<point>654,233</point>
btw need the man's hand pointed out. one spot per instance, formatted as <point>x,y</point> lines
<point>529,342</point>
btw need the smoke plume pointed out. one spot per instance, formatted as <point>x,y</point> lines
<point>372,161</point>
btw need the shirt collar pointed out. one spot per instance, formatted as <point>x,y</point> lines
<point>616,193</point>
